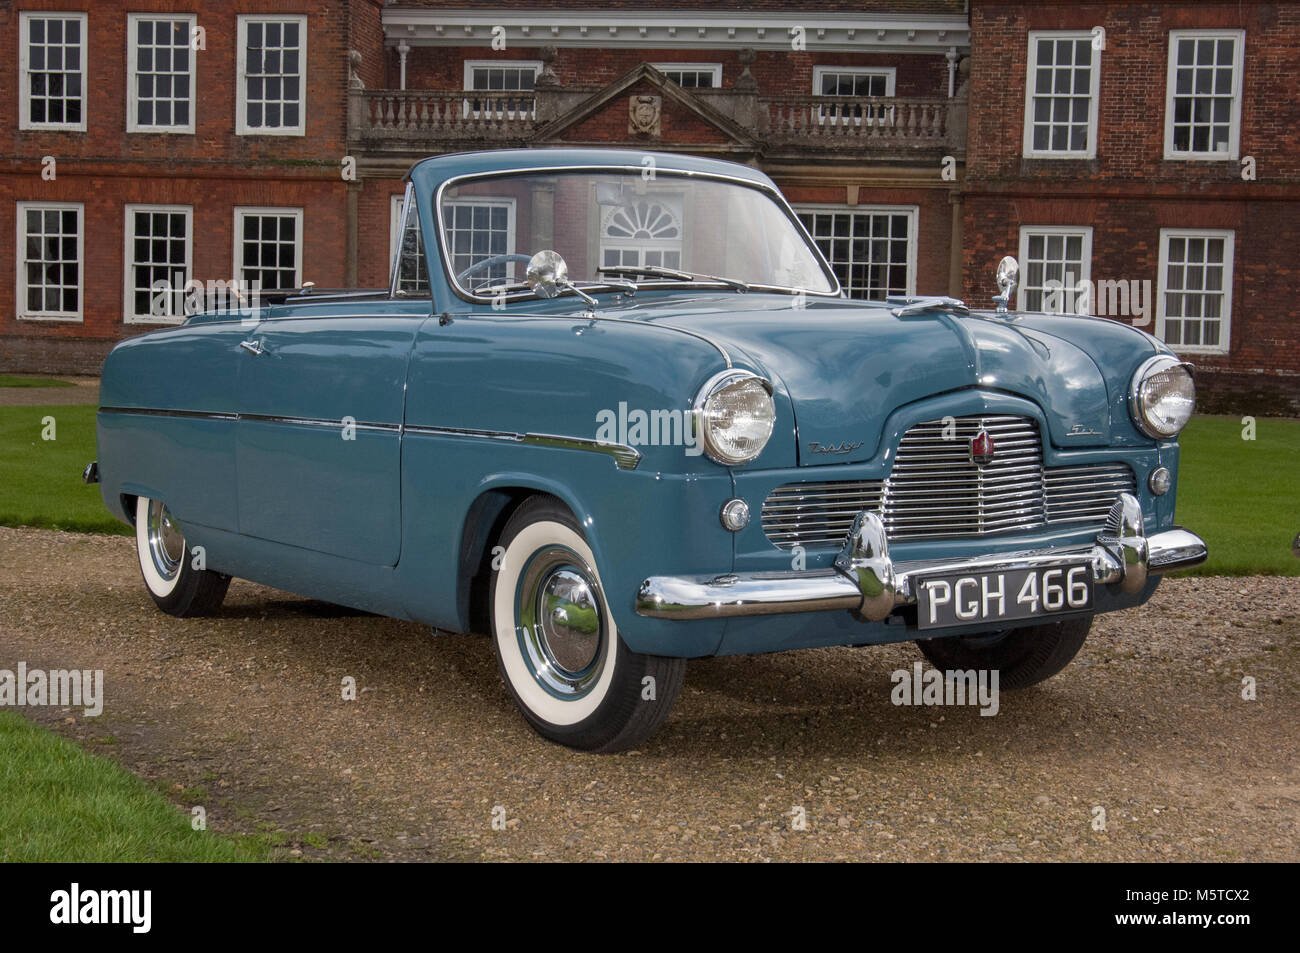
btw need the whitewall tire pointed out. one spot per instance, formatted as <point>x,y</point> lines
<point>168,566</point>
<point>557,644</point>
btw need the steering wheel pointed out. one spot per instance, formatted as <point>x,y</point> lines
<point>489,262</point>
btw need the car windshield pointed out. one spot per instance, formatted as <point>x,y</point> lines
<point>611,225</point>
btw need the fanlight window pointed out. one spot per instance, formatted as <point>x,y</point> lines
<point>647,232</point>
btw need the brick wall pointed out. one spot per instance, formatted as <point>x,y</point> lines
<point>213,170</point>
<point>1129,192</point>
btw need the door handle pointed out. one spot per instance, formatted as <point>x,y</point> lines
<point>252,347</point>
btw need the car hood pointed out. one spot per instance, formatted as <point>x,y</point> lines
<point>846,366</point>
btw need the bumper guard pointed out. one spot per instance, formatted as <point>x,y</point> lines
<point>867,581</point>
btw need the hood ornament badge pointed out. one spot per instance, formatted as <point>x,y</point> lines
<point>1008,275</point>
<point>982,449</point>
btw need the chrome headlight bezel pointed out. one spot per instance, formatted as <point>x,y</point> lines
<point>1139,402</point>
<point>711,388</point>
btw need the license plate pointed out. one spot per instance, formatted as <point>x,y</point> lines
<point>987,598</point>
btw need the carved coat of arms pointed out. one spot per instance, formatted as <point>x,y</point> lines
<point>643,115</point>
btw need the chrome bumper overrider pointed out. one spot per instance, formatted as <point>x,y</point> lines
<point>867,581</point>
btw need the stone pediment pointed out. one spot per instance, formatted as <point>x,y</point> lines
<point>644,107</point>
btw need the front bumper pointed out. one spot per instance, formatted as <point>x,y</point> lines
<point>865,580</point>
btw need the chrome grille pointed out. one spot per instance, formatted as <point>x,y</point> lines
<point>1085,494</point>
<point>935,490</point>
<point>816,514</point>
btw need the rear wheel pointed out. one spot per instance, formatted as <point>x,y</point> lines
<point>559,651</point>
<point>168,567</point>
<point>1023,657</point>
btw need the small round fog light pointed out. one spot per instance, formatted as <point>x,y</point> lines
<point>735,515</point>
<point>1160,480</point>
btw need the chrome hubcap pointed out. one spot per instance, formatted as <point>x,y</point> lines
<point>166,544</point>
<point>561,625</point>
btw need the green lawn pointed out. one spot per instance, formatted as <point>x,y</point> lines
<point>8,380</point>
<point>58,803</point>
<point>40,480</point>
<point>1241,496</point>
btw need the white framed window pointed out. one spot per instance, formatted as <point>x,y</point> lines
<point>268,247</point>
<point>271,76</point>
<point>159,73</point>
<point>159,239</point>
<point>1062,83</point>
<point>479,229</point>
<point>647,232</point>
<point>862,82</point>
<point>52,71</point>
<point>854,82</point>
<point>50,256</point>
<point>1203,94</point>
<point>507,85</point>
<point>409,274</point>
<point>872,249</point>
<point>692,75</point>
<point>1053,260</point>
<point>1194,298</point>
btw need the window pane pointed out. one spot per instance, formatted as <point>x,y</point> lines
<point>272,91</point>
<point>867,269</point>
<point>1061,99</point>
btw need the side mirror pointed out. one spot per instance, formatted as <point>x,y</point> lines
<point>548,273</point>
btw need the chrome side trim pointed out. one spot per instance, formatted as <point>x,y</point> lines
<point>319,422</point>
<point>154,412</point>
<point>464,432</point>
<point>624,457</point>
<point>867,581</point>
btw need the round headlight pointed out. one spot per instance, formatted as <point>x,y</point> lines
<point>1163,396</point>
<point>734,416</point>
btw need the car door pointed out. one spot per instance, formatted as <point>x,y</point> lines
<point>318,450</point>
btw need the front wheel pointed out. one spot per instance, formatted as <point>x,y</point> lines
<point>168,566</point>
<point>1023,657</point>
<point>559,651</point>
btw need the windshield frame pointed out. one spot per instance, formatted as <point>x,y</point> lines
<point>762,188</point>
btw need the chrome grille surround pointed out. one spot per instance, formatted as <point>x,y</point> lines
<point>935,490</point>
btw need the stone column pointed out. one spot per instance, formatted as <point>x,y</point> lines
<point>955,244</point>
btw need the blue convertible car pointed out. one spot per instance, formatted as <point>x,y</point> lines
<point>615,410</point>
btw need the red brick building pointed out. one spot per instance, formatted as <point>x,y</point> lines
<point>135,147</point>
<point>1153,144</point>
<point>235,159</point>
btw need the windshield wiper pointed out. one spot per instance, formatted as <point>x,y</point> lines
<point>628,287</point>
<point>654,271</point>
<point>625,287</point>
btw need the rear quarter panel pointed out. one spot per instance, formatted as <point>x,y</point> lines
<point>171,452</point>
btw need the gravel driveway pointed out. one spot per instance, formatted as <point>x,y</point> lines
<point>84,391</point>
<point>243,714</point>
